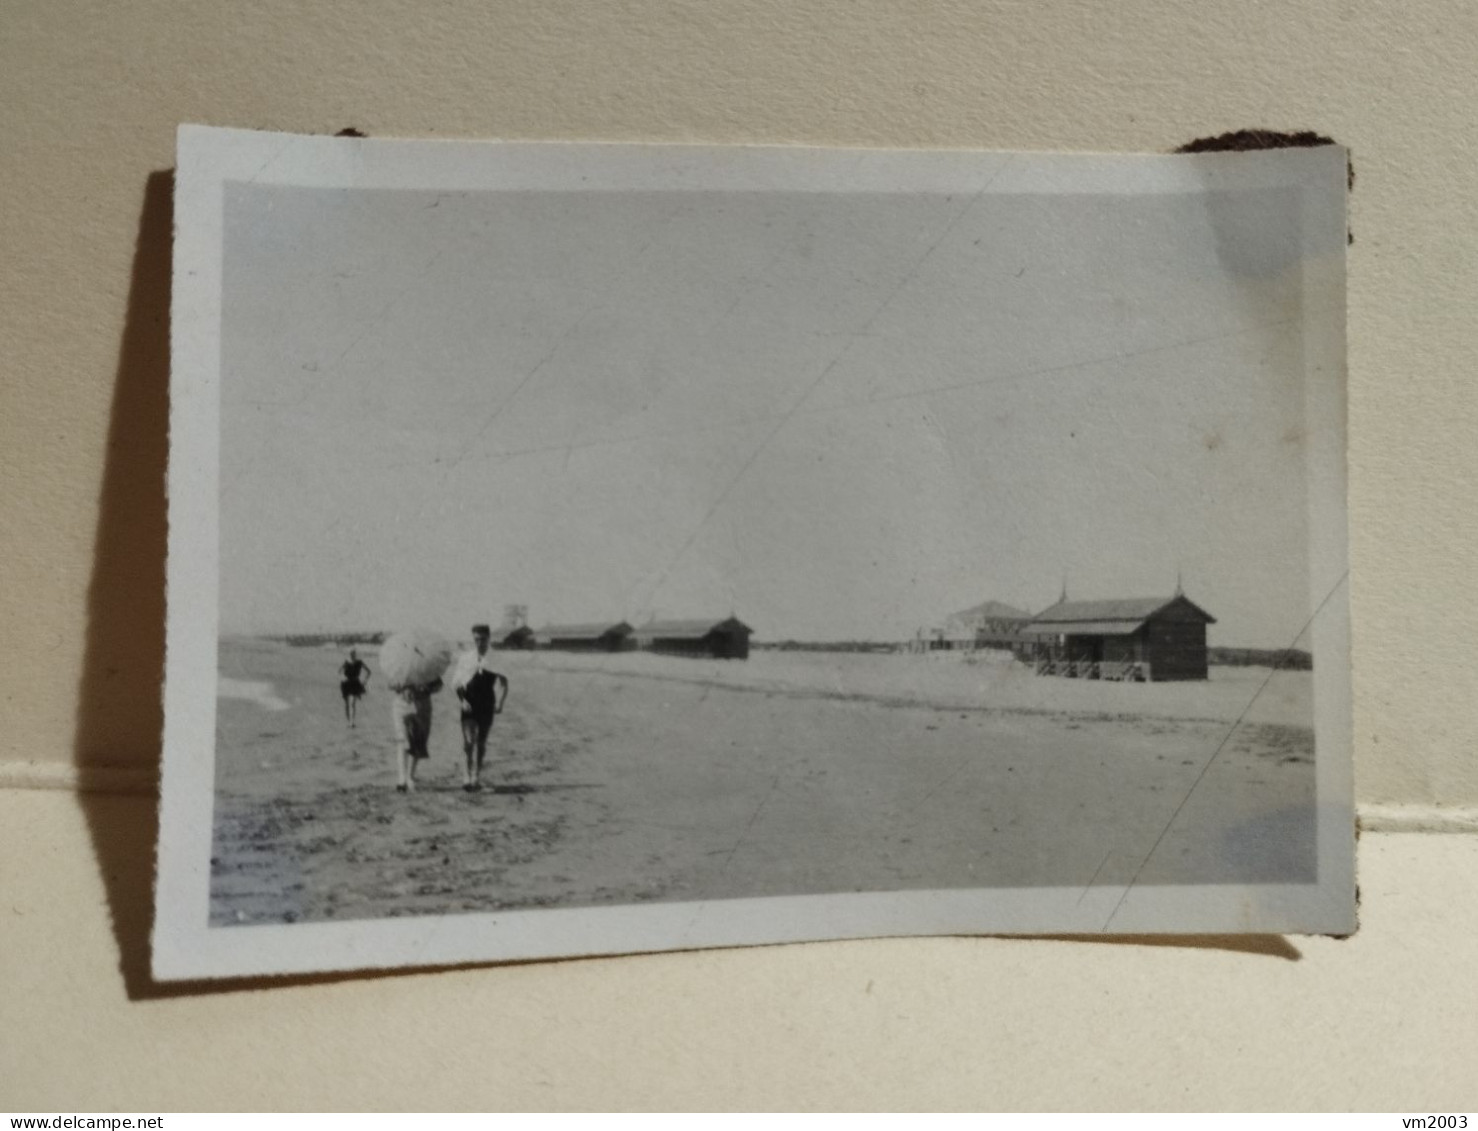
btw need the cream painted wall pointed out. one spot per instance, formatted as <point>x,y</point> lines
<point>89,98</point>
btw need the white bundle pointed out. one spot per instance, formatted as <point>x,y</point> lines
<point>414,658</point>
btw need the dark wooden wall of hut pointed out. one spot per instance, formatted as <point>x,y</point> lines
<point>681,645</point>
<point>1175,645</point>
<point>720,645</point>
<point>1123,649</point>
<point>610,642</point>
<point>577,644</point>
<point>731,645</point>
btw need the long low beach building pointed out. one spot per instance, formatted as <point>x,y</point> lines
<point>515,638</point>
<point>991,624</point>
<point>1148,639</point>
<point>594,637</point>
<point>726,639</point>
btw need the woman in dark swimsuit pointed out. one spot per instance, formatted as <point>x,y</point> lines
<point>355,672</point>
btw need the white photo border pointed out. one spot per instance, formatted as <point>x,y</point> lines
<point>186,947</point>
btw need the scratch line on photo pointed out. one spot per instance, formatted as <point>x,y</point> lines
<point>574,325</point>
<point>889,398</point>
<point>370,327</point>
<point>1134,879</point>
<point>1093,878</point>
<point>938,787</point>
<point>816,381</point>
<point>753,817</point>
<point>272,160</point>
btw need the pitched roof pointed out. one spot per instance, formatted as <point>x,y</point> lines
<point>1120,609</point>
<point>994,610</point>
<point>693,628</point>
<point>1096,627</point>
<point>1026,634</point>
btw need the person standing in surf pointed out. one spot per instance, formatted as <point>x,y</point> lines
<point>476,685</point>
<point>356,674</point>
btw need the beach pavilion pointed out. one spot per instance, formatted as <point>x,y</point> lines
<point>991,624</point>
<point>600,636</point>
<point>726,639</point>
<point>520,637</point>
<point>1142,639</point>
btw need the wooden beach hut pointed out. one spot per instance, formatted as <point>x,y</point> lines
<point>726,639</point>
<point>594,637</point>
<point>521,637</point>
<point>1145,639</point>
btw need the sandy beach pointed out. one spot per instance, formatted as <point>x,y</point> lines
<point>631,778</point>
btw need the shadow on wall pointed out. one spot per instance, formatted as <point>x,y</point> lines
<point>120,713</point>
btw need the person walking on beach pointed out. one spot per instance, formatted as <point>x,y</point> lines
<point>355,672</point>
<point>410,712</point>
<point>476,685</point>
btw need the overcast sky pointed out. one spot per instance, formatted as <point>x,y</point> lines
<point>835,416</point>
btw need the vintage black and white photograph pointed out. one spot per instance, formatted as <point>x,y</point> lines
<point>591,549</point>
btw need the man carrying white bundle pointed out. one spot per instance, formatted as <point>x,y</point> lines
<point>410,713</point>
<point>413,663</point>
<point>476,685</point>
